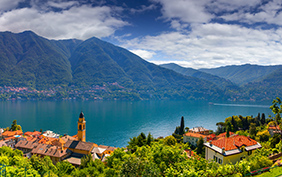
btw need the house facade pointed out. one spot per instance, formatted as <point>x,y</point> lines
<point>192,138</point>
<point>232,149</point>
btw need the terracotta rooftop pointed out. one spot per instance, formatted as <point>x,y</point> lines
<point>32,133</point>
<point>196,135</point>
<point>274,127</point>
<point>53,151</point>
<point>234,142</point>
<point>12,133</point>
<point>67,137</point>
<point>224,134</point>
<point>80,145</point>
<point>26,144</point>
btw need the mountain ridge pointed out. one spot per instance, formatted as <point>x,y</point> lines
<point>37,62</point>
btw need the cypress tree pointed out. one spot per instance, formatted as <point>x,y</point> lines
<point>182,126</point>
<point>262,119</point>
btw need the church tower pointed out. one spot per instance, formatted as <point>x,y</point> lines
<point>81,129</point>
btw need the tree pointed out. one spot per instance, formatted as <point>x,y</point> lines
<point>234,124</point>
<point>200,146</point>
<point>228,129</point>
<point>253,130</point>
<point>15,126</point>
<point>262,119</point>
<point>170,140</point>
<point>276,108</point>
<point>64,168</point>
<point>220,127</point>
<point>182,126</point>
<point>149,139</point>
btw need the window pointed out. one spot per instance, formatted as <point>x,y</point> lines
<point>215,158</point>
<point>80,127</point>
<point>219,161</point>
<point>249,152</point>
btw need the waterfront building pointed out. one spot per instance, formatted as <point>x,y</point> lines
<point>232,149</point>
<point>192,138</point>
<point>200,130</point>
<point>273,129</point>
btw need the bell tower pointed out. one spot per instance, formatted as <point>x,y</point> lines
<point>81,128</point>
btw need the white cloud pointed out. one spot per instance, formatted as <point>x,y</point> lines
<point>62,5</point>
<point>143,54</point>
<point>213,45</point>
<point>77,22</point>
<point>6,5</point>
<point>189,11</point>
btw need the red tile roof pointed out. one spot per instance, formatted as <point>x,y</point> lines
<point>196,135</point>
<point>224,134</point>
<point>274,128</point>
<point>12,133</point>
<point>233,142</point>
<point>32,133</point>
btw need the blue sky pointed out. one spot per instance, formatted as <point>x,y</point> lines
<point>192,33</point>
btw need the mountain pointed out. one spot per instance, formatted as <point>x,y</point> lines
<point>267,88</point>
<point>95,61</point>
<point>242,74</point>
<point>219,81</point>
<point>27,59</point>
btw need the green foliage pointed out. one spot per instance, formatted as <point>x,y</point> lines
<point>140,140</point>
<point>170,140</point>
<point>64,168</point>
<point>200,146</point>
<point>15,126</point>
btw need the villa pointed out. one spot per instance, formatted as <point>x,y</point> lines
<point>192,138</point>
<point>232,149</point>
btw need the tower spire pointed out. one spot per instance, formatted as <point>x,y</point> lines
<point>81,127</point>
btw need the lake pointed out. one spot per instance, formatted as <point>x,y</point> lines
<point>114,122</point>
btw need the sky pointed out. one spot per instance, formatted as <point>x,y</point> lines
<point>191,33</point>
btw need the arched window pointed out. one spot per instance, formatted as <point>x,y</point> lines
<point>80,128</point>
<point>83,126</point>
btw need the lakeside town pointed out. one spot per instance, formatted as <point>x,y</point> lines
<point>237,140</point>
<point>94,92</point>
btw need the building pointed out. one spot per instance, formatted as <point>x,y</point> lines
<point>78,149</point>
<point>232,149</point>
<point>81,128</point>
<point>200,130</point>
<point>55,153</point>
<point>274,129</point>
<point>11,134</point>
<point>51,134</point>
<point>192,138</point>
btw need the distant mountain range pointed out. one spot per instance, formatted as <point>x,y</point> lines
<point>29,60</point>
<point>241,82</point>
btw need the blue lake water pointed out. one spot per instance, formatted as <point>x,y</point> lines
<point>114,122</point>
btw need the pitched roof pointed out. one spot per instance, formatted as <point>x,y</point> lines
<point>32,133</point>
<point>196,135</point>
<point>12,133</point>
<point>224,134</point>
<point>53,151</point>
<point>26,144</point>
<point>274,127</point>
<point>80,145</point>
<point>67,137</point>
<point>234,142</point>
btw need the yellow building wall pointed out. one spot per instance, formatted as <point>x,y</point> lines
<point>210,154</point>
<point>80,151</point>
